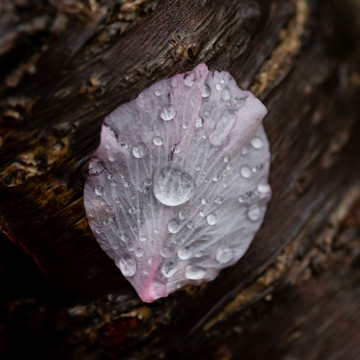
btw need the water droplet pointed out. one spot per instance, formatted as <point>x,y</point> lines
<point>245,172</point>
<point>174,82</point>
<point>98,229</point>
<point>211,219</point>
<point>218,86</point>
<point>190,225</point>
<point>147,182</point>
<point>204,201</point>
<point>124,237</point>
<point>158,141</point>
<point>189,79</point>
<point>173,226</point>
<point>244,150</point>
<point>197,168</point>
<point>111,158</point>
<point>173,187</point>
<point>256,143</point>
<point>184,253</point>
<point>127,184</point>
<point>254,212</point>
<point>99,190</point>
<point>165,253</point>
<point>139,252</point>
<point>143,238</point>
<point>199,122</point>
<point>150,260</point>
<point>168,112</point>
<point>92,213</point>
<point>194,273</point>
<point>139,150</point>
<point>202,213</point>
<point>206,91</point>
<point>226,158</point>
<point>157,92</point>
<point>96,167</point>
<point>204,136</point>
<point>182,215</point>
<point>264,188</point>
<point>168,269</point>
<point>216,178</point>
<point>185,126</point>
<point>224,254</point>
<point>127,266</point>
<point>130,246</point>
<point>226,95</point>
<point>219,200</point>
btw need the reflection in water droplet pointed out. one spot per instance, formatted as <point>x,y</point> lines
<point>173,187</point>
<point>218,86</point>
<point>127,266</point>
<point>256,143</point>
<point>139,252</point>
<point>206,91</point>
<point>139,150</point>
<point>173,226</point>
<point>184,253</point>
<point>253,212</point>
<point>99,190</point>
<point>226,95</point>
<point>224,255</point>
<point>143,238</point>
<point>182,215</point>
<point>194,273</point>
<point>157,92</point>
<point>168,112</point>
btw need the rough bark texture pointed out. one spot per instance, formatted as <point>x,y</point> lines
<point>64,65</point>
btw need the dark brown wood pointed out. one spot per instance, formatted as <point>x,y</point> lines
<point>64,65</point>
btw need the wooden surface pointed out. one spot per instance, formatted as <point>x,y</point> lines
<point>65,65</point>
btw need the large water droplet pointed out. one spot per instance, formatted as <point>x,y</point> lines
<point>127,266</point>
<point>264,189</point>
<point>194,273</point>
<point>139,150</point>
<point>168,269</point>
<point>173,226</point>
<point>168,112</point>
<point>173,187</point>
<point>157,140</point>
<point>184,253</point>
<point>254,212</point>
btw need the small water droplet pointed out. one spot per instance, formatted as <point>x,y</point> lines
<point>92,213</point>
<point>98,229</point>
<point>226,158</point>
<point>127,184</point>
<point>157,92</point>
<point>173,187</point>
<point>174,82</point>
<point>182,215</point>
<point>224,254</point>
<point>254,212</point>
<point>244,150</point>
<point>168,269</point>
<point>158,141</point>
<point>99,190</point>
<point>111,158</point>
<point>168,112</point>
<point>216,178</point>
<point>185,126</point>
<point>139,150</point>
<point>219,200</point>
<point>139,252</point>
<point>189,79</point>
<point>197,168</point>
<point>202,213</point>
<point>190,225</point>
<point>194,273</point>
<point>127,266</point>
<point>226,95</point>
<point>218,86</point>
<point>204,201</point>
<point>96,167</point>
<point>130,246</point>
<point>173,226</point>
<point>184,253</point>
<point>143,238</point>
<point>206,91</point>
<point>256,143</point>
<point>147,182</point>
<point>151,260</point>
<point>264,188</point>
<point>199,122</point>
<point>245,171</point>
<point>204,136</point>
<point>211,219</point>
<point>165,252</point>
<point>124,237</point>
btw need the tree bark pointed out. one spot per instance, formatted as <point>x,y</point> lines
<point>65,65</point>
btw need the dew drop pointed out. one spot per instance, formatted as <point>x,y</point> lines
<point>189,79</point>
<point>96,167</point>
<point>157,92</point>
<point>226,95</point>
<point>244,150</point>
<point>204,201</point>
<point>190,225</point>
<point>218,86</point>
<point>253,212</point>
<point>99,190</point>
<point>202,213</point>
<point>111,158</point>
<point>185,126</point>
<point>199,122</point>
<point>139,150</point>
<point>173,226</point>
<point>168,112</point>
<point>127,184</point>
<point>184,253</point>
<point>264,189</point>
<point>245,171</point>
<point>219,200</point>
<point>256,143</point>
<point>127,266</point>
<point>226,158</point>
<point>158,141</point>
<point>211,219</point>
<point>168,269</point>
<point>139,252</point>
<point>197,168</point>
<point>194,273</point>
<point>173,187</point>
<point>206,91</point>
<point>224,254</point>
<point>143,238</point>
<point>98,229</point>
<point>147,182</point>
<point>182,215</point>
